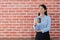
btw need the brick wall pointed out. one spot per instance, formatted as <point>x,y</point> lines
<point>16,18</point>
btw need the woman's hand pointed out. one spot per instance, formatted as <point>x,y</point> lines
<point>35,24</point>
<point>38,31</point>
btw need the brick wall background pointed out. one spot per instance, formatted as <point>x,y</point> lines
<point>16,18</point>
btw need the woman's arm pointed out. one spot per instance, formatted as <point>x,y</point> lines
<point>35,26</point>
<point>48,26</point>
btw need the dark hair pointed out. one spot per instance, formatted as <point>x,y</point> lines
<point>39,20</point>
<point>44,9</point>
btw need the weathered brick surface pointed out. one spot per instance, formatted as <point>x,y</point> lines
<point>16,18</point>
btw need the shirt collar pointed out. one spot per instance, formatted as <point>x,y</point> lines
<point>40,16</point>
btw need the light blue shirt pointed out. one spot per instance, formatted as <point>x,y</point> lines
<point>45,24</point>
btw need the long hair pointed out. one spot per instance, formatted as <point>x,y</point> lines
<point>45,13</point>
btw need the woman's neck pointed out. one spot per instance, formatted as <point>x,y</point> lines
<point>41,15</point>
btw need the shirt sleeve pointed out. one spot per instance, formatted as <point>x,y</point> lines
<point>36,28</point>
<point>47,28</point>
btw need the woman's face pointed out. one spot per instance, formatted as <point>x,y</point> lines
<point>41,10</point>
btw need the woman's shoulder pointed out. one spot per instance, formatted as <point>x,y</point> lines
<point>48,17</point>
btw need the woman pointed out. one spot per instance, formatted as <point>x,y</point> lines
<point>42,28</point>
